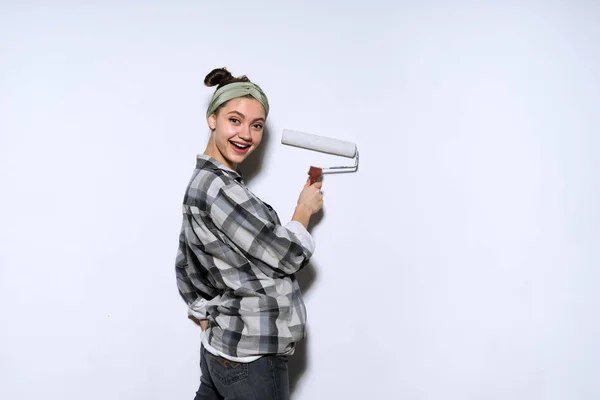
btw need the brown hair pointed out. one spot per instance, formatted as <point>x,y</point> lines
<point>221,76</point>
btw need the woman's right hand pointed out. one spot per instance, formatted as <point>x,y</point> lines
<point>311,197</point>
<point>203,324</point>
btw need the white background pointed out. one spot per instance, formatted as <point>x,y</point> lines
<point>460,261</point>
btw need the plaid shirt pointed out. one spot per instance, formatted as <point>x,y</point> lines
<point>235,265</point>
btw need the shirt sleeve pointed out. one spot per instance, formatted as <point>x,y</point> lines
<point>198,308</point>
<point>233,212</point>
<point>303,235</point>
<point>194,291</point>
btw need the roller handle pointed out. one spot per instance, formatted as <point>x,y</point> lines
<point>314,174</point>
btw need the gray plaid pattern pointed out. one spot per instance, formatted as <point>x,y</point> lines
<point>235,256</point>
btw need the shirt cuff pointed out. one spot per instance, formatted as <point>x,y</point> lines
<point>302,234</point>
<point>198,308</point>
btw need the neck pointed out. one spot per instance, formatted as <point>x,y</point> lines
<point>212,151</point>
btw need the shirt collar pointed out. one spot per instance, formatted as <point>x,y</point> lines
<point>204,161</point>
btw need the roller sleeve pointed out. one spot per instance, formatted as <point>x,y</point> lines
<point>318,143</point>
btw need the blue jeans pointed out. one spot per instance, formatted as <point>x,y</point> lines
<point>264,379</point>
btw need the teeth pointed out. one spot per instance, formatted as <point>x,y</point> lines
<point>240,146</point>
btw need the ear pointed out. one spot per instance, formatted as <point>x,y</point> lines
<point>212,121</point>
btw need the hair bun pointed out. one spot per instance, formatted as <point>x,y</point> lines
<point>218,76</point>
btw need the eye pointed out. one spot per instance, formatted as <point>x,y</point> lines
<point>234,120</point>
<point>258,126</point>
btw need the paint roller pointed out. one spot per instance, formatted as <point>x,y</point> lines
<point>324,145</point>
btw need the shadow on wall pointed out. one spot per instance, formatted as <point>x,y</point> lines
<point>306,277</point>
<point>299,360</point>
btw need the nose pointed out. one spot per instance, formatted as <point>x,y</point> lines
<point>244,133</point>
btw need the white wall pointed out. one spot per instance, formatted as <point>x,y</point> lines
<point>460,262</point>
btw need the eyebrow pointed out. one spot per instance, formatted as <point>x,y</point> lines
<point>243,116</point>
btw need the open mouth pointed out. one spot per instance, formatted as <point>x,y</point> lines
<point>240,147</point>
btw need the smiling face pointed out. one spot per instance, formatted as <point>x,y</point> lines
<point>237,129</point>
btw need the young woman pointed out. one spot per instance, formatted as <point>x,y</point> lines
<point>236,261</point>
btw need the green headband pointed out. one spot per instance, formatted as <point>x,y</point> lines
<point>234,90</point>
